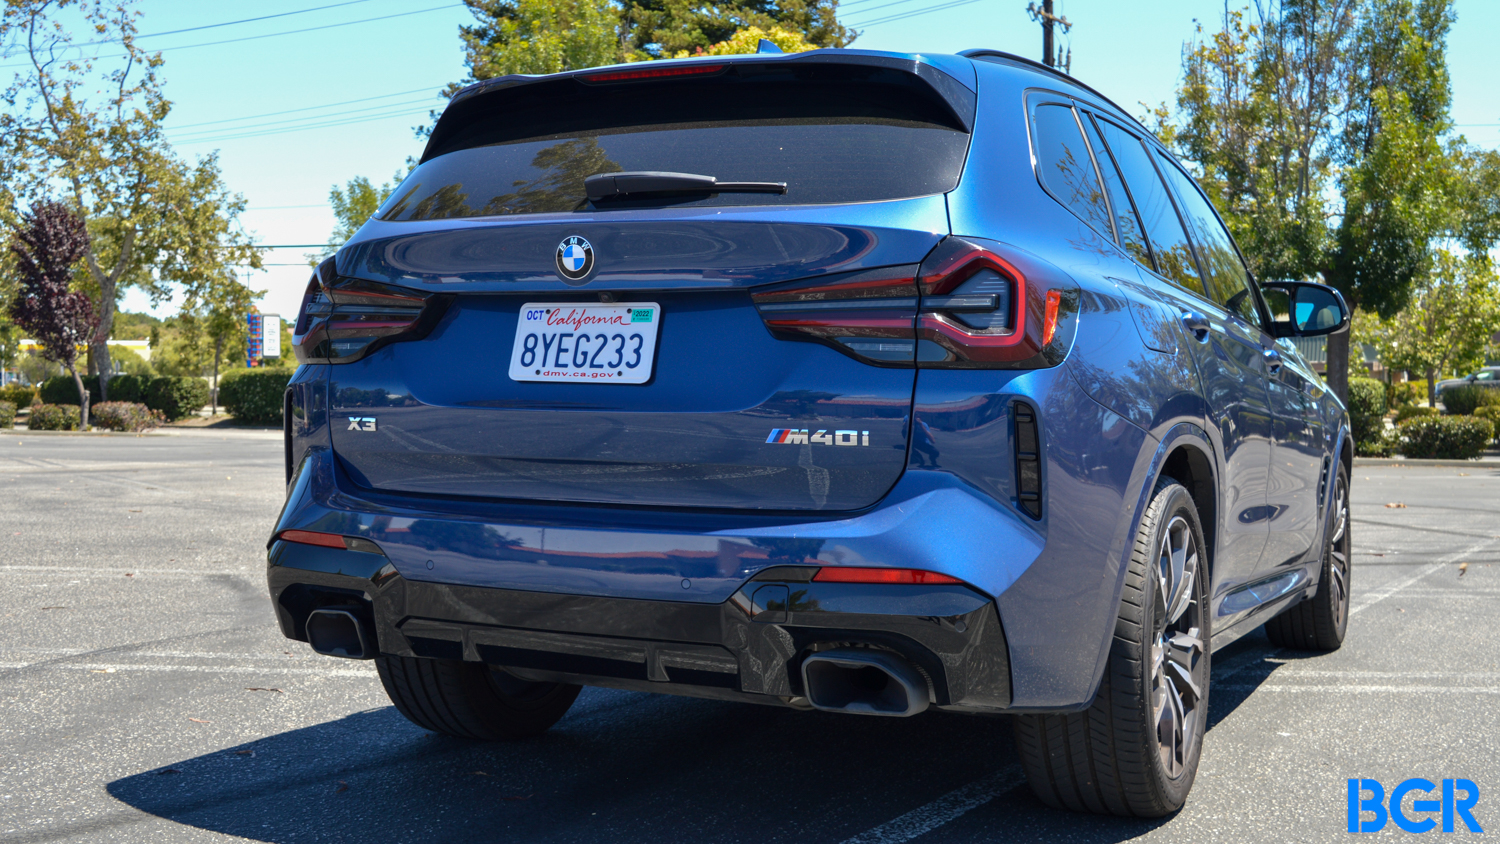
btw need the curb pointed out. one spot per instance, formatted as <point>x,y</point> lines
<point>1436,464</point>
<point>30,432</point>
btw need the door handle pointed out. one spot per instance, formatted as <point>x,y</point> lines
<point>1196,324</point>
<point>1273,361</point>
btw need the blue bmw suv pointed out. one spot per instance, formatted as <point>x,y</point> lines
<point>845,381</point>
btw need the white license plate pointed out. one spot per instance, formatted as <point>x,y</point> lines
<point>605,344</point>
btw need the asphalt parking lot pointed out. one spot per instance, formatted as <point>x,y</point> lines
<point>145,694</point>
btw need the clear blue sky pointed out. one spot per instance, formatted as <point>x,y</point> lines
<point>230,96</point>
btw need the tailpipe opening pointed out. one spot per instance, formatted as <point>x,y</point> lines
<point>863,681</point>
<point>338,632</point>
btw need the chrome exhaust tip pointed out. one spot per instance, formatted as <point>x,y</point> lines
<point>864,682</point>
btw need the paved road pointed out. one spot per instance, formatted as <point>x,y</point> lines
<point>146,695</point>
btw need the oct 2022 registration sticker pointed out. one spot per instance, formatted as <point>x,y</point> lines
<point>600,343</point>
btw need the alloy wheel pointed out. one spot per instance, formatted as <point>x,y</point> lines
<point>1178,666</point>
<point>1338,552</point>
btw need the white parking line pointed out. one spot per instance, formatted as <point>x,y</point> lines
<point>78,571</point>
<point>1348,688</point>
<point>127,667</point>
<point>950,806</point>
<point>1387,591</point>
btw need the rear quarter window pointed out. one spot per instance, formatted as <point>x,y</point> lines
<point>1064,166</point>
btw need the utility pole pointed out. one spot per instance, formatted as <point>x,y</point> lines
<point>1044,15</point>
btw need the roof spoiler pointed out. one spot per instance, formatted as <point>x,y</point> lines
<point>483,98</point>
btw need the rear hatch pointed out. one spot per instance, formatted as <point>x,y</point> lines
<point>497,333</point>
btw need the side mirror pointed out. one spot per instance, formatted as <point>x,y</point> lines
<point>1305,309</point>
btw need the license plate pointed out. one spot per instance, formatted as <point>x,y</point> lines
<point>605,344</point>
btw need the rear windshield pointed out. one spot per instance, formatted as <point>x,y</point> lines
<point>833,136</point>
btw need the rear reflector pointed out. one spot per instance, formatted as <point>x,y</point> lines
<point>652,73</point>
<point>312,537</point>
<point>846,574</point>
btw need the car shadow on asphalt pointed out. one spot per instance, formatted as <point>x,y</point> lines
<point>625,766</point>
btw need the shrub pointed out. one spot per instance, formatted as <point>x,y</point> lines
<point>7,415</point>
<point>255,395</point>
<point>18,394</point>
<point>53,417</point>
<point>128,388</point>
<point>1445,437</point>
<point>1366,410</point>
<point>1492,413</point>
<point>1404,393</point>
<point>1413,411</point>
<point>60,389</point>
<point>176,396</point>
<point>124,416</point>
<point>1462,401</point>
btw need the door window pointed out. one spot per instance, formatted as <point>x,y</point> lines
<point>1065,167</point>
<point>1230,280</point>
<point>1169,242</point>
<point>1127,225</point>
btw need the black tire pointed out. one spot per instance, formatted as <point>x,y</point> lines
<point>1320,622</point>
<point>471,700</point>
<point>1110,758</point>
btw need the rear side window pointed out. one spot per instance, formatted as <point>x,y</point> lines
<point>833,134</point>
<point>1230,281</point>
<point>1127,225</point>
<point>1174,255</point>
<point>1063,162</point>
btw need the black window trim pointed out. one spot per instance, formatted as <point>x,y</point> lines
<point>1129,197</point>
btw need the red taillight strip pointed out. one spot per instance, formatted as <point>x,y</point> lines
<point>852,574</point>
<point>312,537</point>
<point>875,284</point>
<point>653,73</point>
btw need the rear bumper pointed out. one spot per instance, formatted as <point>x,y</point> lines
<point>749,647</point>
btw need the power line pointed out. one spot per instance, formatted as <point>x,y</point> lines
<point>287,32</point>
<point>226,23</point>
<point>284,207</point>
<point>912,14</point>
<point>306,108</point>
<point>325,125</point>
<point>882,6</point>
<point>297,120</point>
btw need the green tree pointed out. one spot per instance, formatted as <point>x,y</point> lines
<point>1447,325</point>
<point>653,29</point>
<point>353,203</point>
<point>1318,129</point>
<point>539,36</point>
<point>156,221</point>
<point>747,41</point>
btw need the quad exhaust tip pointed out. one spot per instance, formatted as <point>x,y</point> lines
<point>864,682</point>
<point>336,632</point>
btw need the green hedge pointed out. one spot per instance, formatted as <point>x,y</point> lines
<point>18,394</point>
<point>176,396</point>
<point>1492,413</point>
<point>1414,411</point>
<point>128,388</point>
<point>1366,412</point>
<point>1445,437</point>
<point>60,389</point>
<point>1463,401</point>
<point>1405,392</point>
<point>53,417</point>
<point>123,416</point>
<point>255,395</point>
<point>7,415</point>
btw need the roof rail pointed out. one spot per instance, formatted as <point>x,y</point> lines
<point>1032,63</point>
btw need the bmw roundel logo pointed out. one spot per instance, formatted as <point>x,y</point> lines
<point>575,258</point>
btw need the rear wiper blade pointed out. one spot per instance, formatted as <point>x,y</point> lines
<point>637,182</point>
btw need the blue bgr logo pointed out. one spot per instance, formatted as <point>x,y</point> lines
<point>1452,807</point>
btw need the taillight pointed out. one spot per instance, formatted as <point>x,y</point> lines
<point>867,315</point>
<point>652,73</point>
<point>860,574</point>
<point>344,319</point>
<point>992,307</point>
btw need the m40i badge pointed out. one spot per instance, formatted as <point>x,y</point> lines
<point>807,436</point>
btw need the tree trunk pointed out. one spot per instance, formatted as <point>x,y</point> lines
<point>1336,369</point>
<point>83,400</point>
<point>100,354</point>
<point>1431,387</point>
<point>218,352</point>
